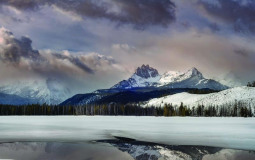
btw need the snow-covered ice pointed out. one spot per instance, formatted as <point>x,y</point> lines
<point>237,133</point>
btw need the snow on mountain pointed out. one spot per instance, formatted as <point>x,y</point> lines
<point>146,76</point>
<point>48,91</point>
<point>140,150</point>
<point>169,77</point>
<point>245,95</point>
<point>14,99</point>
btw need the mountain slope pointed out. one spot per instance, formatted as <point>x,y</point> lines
<point>47,91</point>
<point>14,100</point>
<point>124,96</point>
<point>82,99</point>
<point>245,95</point>
<point>146,76</point>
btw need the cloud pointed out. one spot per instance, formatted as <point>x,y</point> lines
<point>206,41</point>
<point>19,52</point>
<point>140,13</point>
<point>123,48</point>
<point>226,154</point>
<point>214,27</point>
<point>238,13</point>
<point>242,52</point>
<point>74,60</point>
<point>212,53</point>
<point>26,4</point>
<point>84,72</point>
<point>13,50</point>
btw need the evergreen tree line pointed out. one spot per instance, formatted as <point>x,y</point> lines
<point>251,84</point>
<point>201,91</point>
<point>229,110</point>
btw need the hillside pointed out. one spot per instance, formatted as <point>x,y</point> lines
<point>40,91</point>
<point>122,97</point>
<point>245,95</point>
<point>14,99</point>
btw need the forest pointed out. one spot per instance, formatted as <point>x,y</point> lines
<point>251,84</point>
<point>237,109</point>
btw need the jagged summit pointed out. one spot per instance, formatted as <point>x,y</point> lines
<point>145,71</point>
<point>194,72</point>
<point>146,76</point>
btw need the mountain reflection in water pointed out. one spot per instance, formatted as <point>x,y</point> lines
<point>116,150</point>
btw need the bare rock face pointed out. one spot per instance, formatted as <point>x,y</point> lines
<point>145,71</point>
<point>144,76</point>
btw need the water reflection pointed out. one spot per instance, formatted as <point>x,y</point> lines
<point>60,151</point>
<point>116,150</point>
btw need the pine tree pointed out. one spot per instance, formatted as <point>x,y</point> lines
<point>166,111</point>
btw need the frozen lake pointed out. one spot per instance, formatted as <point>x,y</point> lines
<point>236,133</point>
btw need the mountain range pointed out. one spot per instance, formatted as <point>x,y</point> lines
<point>147,83</point>
<point>49,91</point>
<point>146,76</point>
<point>144,84</point>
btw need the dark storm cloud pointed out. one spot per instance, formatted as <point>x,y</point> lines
<point>214,27</point>
<point>22,4</point>
<point>17,48</point>
<point>242,52</point>
<point>19,52</point>
<point>144,12</point>
<point>140,13</point>
<point>76,61</point>
<point>83,71</point>
<point>239,13</point>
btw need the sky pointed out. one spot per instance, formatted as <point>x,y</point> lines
<point>92,44</point>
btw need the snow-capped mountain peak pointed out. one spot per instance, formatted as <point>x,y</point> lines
<point>169,76</point>
<point>191,73</point>
<point>146,76</point>
<point>145,71</point>
<point>194,72</point>
<point>177,76</point>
